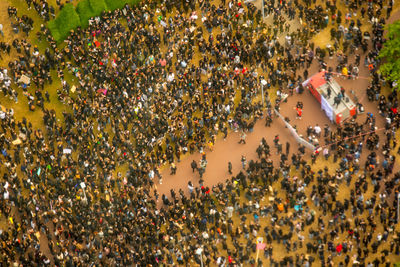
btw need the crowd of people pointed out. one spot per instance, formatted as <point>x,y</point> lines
<point>165,78</point>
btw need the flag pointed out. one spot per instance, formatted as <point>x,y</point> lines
<point>104,91</point>
<point>261,246</point>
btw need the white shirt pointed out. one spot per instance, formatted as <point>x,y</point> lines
<point>230,211</point>
<point>317,129</point>
<point>379,237</point>
<point>151,174</point>
<point>7,83</point>
<point>205,235</point>
<point>190,187</point>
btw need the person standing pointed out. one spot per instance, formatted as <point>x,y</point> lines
<point>299,113</point>
<point>276,140</point>
<point>47,95</point>
<point>193,165</point>
<point>210,145</point>
<point>225,132</point>
<point>201,172</point>
<point>317,130</point>
<point>305,74</point>
<point>158,174</point>
<point>173,169</point>
<point>287,148</point>
<point>190,187</point>
<point>325,152</point>
<point>279,148</point>
<point>268,121</point>
<point>337,100</point>
<point>230,167</point>
<point>326,130</point>
<point>242,138</point>
<point>342,92</point>
<point>244,162</point>
<point>313,157</point>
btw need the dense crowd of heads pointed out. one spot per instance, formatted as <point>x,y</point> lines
<point>151,83</point>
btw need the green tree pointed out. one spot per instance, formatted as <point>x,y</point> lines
<point>390,53</point>
<point>70,18</point>
<point>66,21</point>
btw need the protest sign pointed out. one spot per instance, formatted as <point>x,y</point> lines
<point>24,79</point>
<point>17,141</point>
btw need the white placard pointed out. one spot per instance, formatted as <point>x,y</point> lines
<point>67,151</point>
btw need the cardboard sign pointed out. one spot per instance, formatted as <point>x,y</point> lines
<point>163,23</point>
<point>261,246</point>
<point>24,79</point>
<point>17,141</point>
<point>103,91</point>
<point>67,151</point>
<point>194,16</point>
<point>22,136</point>
<point>297,207</point>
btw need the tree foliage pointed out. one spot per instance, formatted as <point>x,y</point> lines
<point>85,12</point>
<point>390,53</point>
<point>70,18</point>
<point>66,21</point>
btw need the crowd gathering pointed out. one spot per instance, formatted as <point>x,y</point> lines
<point>162,79</point>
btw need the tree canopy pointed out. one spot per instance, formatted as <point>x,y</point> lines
<point>390,52</point>
<point>70,17</point>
